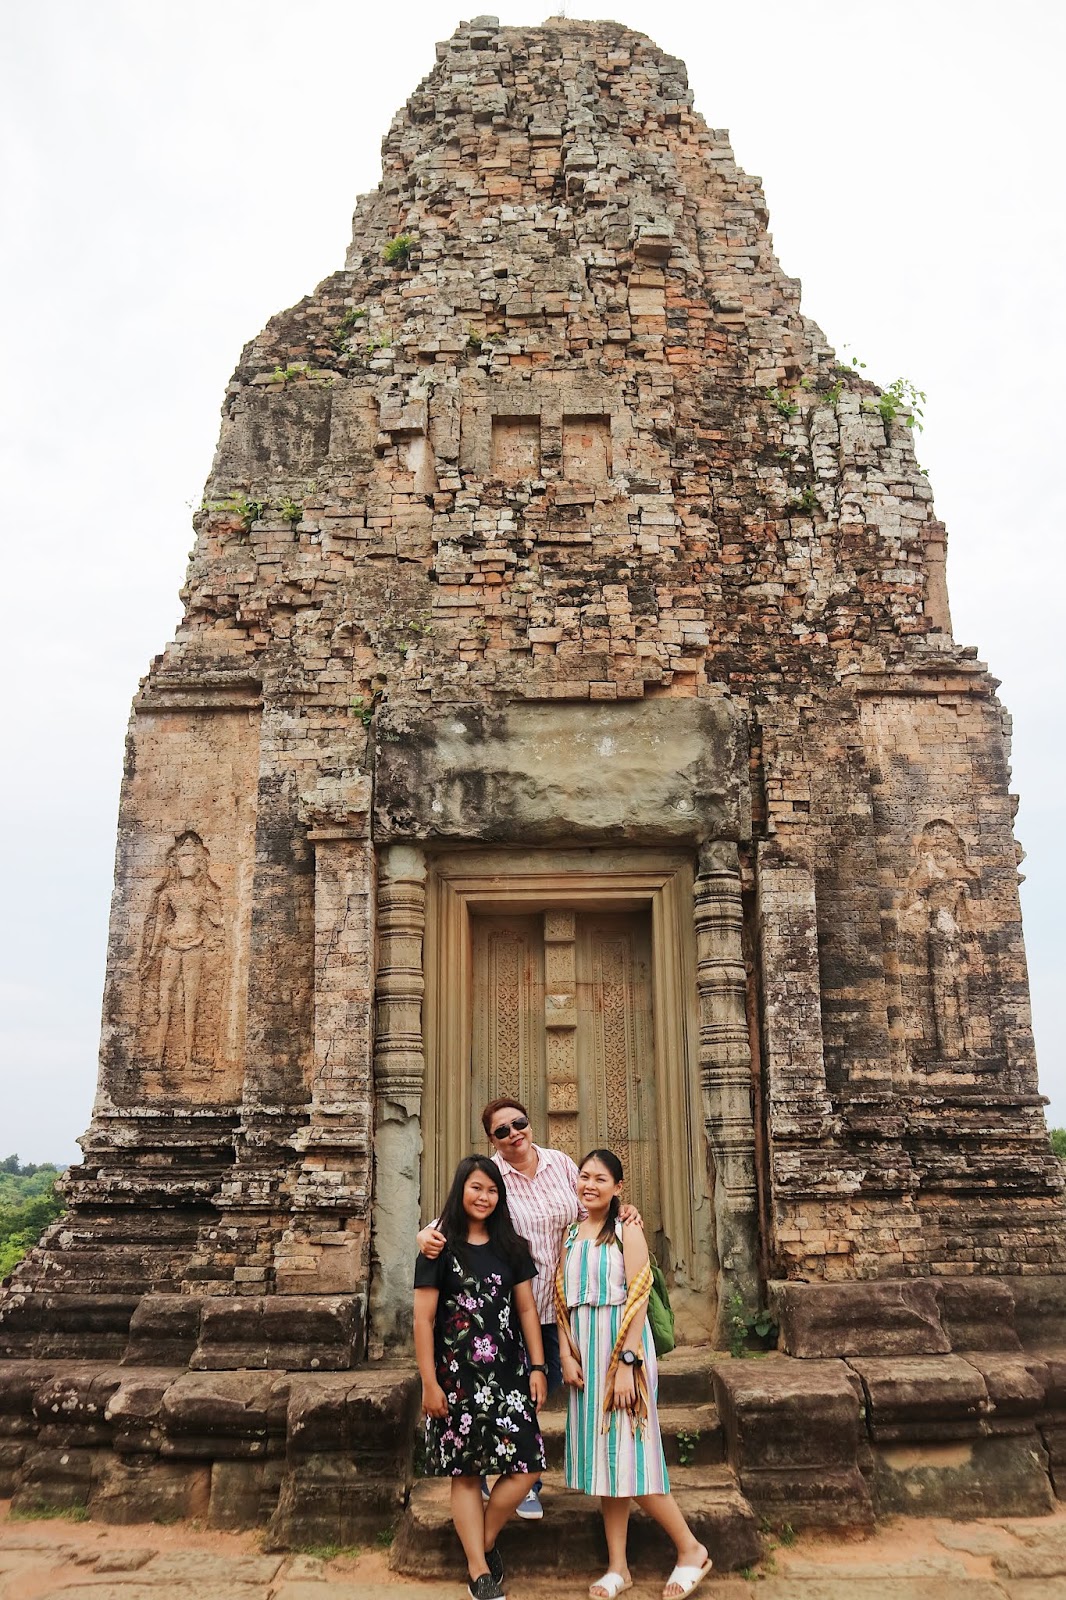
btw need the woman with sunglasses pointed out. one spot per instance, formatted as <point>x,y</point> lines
<point>541,1187</point>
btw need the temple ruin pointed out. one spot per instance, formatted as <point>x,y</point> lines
<point>565,705</point>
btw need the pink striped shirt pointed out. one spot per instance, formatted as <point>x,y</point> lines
<point>542,1208</point>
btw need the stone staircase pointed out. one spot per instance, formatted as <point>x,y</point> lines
<point>570,1537</point>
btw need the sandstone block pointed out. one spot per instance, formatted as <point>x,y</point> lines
<point>978,1313</point>
<point>970,1478</point>
<point>926,1397</point>
<point>293,1332</point>
<point>896,1317</point>
<point>163,1331</point>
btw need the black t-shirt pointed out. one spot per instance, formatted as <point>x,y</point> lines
<point>482,1261</point>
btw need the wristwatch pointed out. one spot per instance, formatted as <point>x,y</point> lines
<point>629,1358</point>
<point>538,1366</point>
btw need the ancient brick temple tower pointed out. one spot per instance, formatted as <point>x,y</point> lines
<point>565,705</point>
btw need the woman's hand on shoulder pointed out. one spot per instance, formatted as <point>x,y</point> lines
<point>628,1213</point>
<point>430,1242</point>
<point>434,1400</point>
<point>634,1250</point>
<point>572,1373</point>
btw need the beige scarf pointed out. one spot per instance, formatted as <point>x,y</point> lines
<point>637,1296</point>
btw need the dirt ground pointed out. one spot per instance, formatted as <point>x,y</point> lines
<point>904,1559</point>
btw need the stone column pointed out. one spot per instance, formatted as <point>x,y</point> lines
<point>399,1070</point>
<point>725,1073</point>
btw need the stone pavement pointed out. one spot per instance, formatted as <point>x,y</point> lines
<point>905,1559</point>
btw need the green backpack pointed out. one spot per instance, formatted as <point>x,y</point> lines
<point>660,1316</point>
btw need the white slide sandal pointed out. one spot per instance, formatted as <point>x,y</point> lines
<point>687,1579</point>
<point>612,1585</point>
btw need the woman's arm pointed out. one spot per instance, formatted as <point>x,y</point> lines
<point>434,1400</point>
<point>635,1256</point>
<point>569,1359</point>
<point>529,1319</point>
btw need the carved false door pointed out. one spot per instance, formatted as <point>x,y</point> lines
<point>562,1020</point>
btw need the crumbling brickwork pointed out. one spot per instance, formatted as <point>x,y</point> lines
<point>559,432</point>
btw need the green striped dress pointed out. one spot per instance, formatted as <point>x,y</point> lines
<point>620,1461</point>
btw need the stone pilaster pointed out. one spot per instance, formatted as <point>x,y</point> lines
<point>399,1069</point>
<point>725,1072</point>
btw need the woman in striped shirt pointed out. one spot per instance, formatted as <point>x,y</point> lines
<point>613,1443</point>
<point>542,1197</point>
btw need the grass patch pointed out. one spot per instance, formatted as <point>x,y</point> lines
<point>328,1552</point>
<point>43,1513</point>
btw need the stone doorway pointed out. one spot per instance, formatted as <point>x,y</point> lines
<point>562,1019</point>
<point>569,978</point>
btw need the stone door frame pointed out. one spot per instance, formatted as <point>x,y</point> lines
<point>460,883</point>
<point>697,894</point>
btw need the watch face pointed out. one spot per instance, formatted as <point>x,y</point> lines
<point>629,1358</point>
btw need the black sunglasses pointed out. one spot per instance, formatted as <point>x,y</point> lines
<point>507,1128</point>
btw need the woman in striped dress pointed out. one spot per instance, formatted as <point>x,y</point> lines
<point>613,1444</point>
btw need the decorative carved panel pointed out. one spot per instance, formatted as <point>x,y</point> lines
<point>616,1052</point>
<point>175,1004</point>
<point>507,1033</point>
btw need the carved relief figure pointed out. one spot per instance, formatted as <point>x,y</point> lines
<point>936,909</point>
<point>184,921</point>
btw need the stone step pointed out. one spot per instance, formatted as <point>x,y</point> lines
<point>685,1375</point>
<point>570,1538</point>
<point>692,1432</point>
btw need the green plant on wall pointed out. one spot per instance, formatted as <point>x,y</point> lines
<point>784,403</point>
<point>239,505</point>
<point>805,503</point>
<point>901,398</point>
<point>744,1325</point>
<point>349,324</point>
<point>289,509</point>
<point>397,252</point>
<point>363,707</point>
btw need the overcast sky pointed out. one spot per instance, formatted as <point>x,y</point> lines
<point>175,172</point>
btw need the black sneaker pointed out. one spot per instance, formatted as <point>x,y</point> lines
<point>485,1587</point>
<point>495,1561</point>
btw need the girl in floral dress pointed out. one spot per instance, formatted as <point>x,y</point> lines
<point>482,1378</point>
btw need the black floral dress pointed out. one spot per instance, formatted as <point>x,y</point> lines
<point>480,1357</point>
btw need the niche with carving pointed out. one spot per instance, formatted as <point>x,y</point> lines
<point>181,963</point>
<point>942,965</point>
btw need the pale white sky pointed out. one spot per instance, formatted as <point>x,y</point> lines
<point>174,173</point>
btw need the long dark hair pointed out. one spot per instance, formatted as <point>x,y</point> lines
<point>608,1159</point>
<point>454,1223</point>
